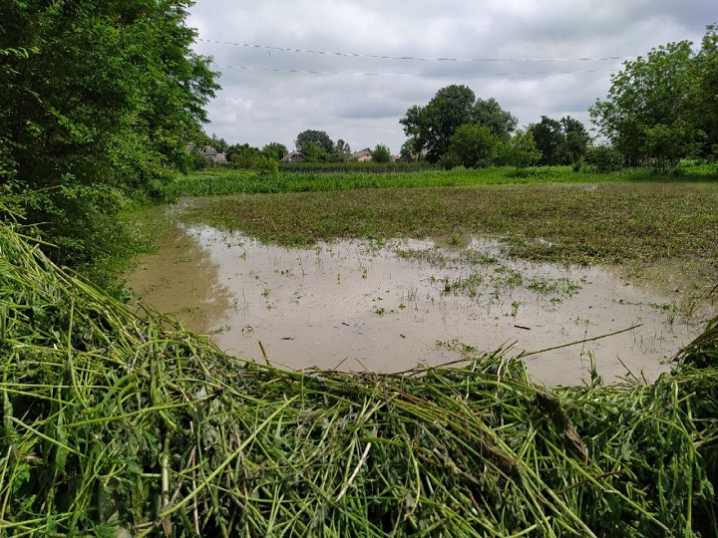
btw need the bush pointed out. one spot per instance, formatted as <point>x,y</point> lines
<point>381,154</point>
<point>604,159</point>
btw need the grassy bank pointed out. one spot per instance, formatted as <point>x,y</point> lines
<point>606,222</point>
<point>110,420</point>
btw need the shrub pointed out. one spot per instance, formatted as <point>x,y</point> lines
<point>604,159</point>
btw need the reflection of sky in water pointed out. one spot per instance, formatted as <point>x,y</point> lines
<point>358,305</point>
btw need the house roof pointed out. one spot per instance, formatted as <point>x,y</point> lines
<point>291,155</point>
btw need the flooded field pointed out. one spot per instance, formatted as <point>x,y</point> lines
<point>390,306</point>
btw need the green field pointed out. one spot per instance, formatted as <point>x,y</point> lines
<point>608,221</point>
<point>215,182</point>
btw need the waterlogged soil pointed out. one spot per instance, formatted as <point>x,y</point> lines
<point>394,305</point>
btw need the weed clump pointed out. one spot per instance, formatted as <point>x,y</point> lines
<point>112,420</point>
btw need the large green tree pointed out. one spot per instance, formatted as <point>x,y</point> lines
<point>662,107</point>
<point>318,138</point>
<point>430,128</point>
<point>105,98</point>
<point>433,126</point>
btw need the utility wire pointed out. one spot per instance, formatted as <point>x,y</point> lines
<point>414,58</point>
<point>409,75</point>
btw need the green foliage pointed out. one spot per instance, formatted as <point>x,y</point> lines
<point>433,125</point>
<point>450,161</point>
<point>274,151</point>
<point>342,152</point>
<point>661,108</point>
<point>105,99</point>
<point>408,152</point>
<point>246,156</point>
<point>430,128</point>
<point>488,113</point>
<point>329,177</point>
<point>604,159</point>
<point>313,141</point>
<point>560,142</point>
<point>520,150</point>
<point>474,145</point>
<point>381,154</point>
<point>314,153</point>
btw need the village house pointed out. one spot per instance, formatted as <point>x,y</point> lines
<point>362,156</point>
<point>213,155</point>
<point>293,157</point>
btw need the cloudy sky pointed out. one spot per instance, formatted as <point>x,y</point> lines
<point>352,68</point>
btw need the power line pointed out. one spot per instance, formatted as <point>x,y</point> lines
<point>413,58</point>
<point>410,75</point>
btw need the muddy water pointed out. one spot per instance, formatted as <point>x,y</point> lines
<point>390,307</point>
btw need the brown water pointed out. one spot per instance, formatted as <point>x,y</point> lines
<point>390,307</point>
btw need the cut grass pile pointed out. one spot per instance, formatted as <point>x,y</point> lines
<point>110,420</point>
<point>598,223</point>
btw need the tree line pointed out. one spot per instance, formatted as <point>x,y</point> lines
<point>314,146</point>
<point>455,128</point>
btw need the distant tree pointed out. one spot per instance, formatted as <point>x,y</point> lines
<point>604,159</point>
<point>520,150</point>
<point>430,128</point>
<point>489,113</point>
<point>314,153</point>
<point>219,144</point>
<point>342,151</point>
<point>319,138</point>
<point>237,152</point>
<point>381,154</point>
<point>577,140</point>
<point>433,125</point>
<point>274,151</point>
<point>560,142</point>
<point>474,145</point>
<point>550,140</point>
<point>409,151</point>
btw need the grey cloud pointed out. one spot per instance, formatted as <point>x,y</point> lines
<point>260,105</point>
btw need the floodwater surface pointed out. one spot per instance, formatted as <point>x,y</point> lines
<point>391,306</point>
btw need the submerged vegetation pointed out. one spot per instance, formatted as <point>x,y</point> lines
<point>597,223</point>
<point>111,420</point>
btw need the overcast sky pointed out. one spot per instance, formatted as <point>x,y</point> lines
<point>271,95</point>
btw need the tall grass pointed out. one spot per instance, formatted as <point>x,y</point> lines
<point>217,181</point>
<point>110,419</point>
<point>243,182</point>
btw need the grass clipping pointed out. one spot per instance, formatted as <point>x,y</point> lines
<point>117,425</point>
